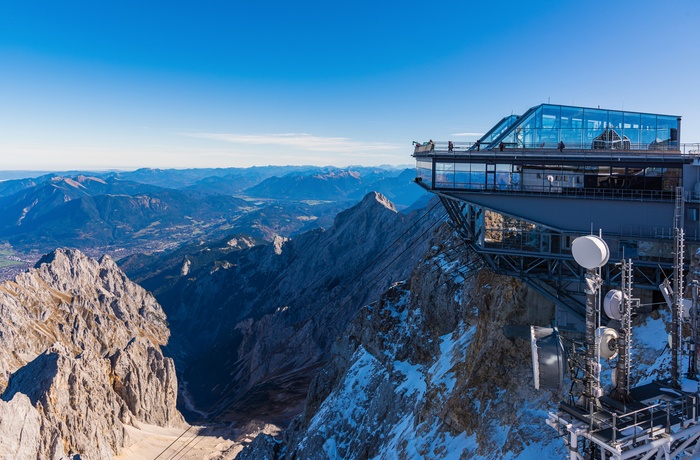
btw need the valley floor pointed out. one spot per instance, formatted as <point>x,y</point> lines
<point>199,443</point>
<point>150,441</point>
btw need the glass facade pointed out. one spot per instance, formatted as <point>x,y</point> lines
<point>496,132</point>
<point>424,171</point>
<point>604,180</point>
<point>547,125</point>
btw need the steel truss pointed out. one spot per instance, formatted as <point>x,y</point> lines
<point>554,275</point>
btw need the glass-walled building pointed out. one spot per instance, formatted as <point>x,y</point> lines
<point>546,125</point>
<point>574,151</point>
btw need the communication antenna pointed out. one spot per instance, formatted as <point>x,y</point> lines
<point>591,252</point>
<point>677,310</point>
<point>625,308</point>
<point>693,358</point>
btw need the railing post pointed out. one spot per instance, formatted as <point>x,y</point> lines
<point>614,428</point>
<point>668,418</point>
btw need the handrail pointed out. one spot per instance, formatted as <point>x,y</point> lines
<point>676,405</point>
<point>442,147</point>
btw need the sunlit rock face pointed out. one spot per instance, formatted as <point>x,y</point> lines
<point>80,358</point>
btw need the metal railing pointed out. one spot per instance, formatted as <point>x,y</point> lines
<point>644,422</point>
<point>442,147</point>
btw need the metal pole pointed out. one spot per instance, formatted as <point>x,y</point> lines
<point>693,358</point>
<point>677,307</point>
<point>624,339</point>
<point>591,384</point>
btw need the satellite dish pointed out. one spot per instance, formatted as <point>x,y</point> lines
<point>612,304</point>
<point>547,357</point>
<point>590,251</point>
<point>607,342</point>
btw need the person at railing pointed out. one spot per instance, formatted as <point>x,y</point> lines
<point>450,146</point>
<point>431,143</point>
<point>561,146</point>
<point>478,145</point>
<point>501,146</point>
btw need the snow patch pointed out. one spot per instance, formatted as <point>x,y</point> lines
<point>652,334</point>
<point>414,381</point>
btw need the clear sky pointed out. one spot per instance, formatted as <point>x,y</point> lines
<point>127,84</point>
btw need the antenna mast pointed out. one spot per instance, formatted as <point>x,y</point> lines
<point>624,340</point>
<point>591,252</point>
<point>677,310</point>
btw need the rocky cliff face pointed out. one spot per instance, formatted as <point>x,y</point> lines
<point>427,372</point>
<point>263,319</point>
<point>80,358</point>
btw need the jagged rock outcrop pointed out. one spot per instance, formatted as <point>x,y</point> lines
<point>427,372</point>
<point>20,427</point>
<point>73,396</point>
<point>82,343</point>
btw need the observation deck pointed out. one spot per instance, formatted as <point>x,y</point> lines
<point>521,193</point>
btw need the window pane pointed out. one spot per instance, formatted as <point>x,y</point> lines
<point>462,177</point>
<point>571,138</point>
<point>594,122</point>
<point>648,130</point>
<point>477,177</point>
<point>667,130</point>
<point>615,121</point>
<point>630,128</point>
<point>571,118</point>
<point>444,175</point>
<point>548,137</point>
<point>550,116</point>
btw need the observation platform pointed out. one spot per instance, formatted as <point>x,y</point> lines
<point>567,190</point>
<point>533,183</point>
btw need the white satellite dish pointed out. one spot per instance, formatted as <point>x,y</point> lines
<point>612,304</point>
<point>607,342</point>
<point>590,251</point>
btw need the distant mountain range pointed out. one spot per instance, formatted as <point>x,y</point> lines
<point>90,211</point>
<point>154,209</point>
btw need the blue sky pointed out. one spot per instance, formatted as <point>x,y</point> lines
<point>99,85</point>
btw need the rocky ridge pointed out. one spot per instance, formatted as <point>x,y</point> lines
<point>427,372</point>
<point>265,317</point>
<point>79,359</point>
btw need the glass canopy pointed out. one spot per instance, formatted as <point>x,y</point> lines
<point>546,125</point>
